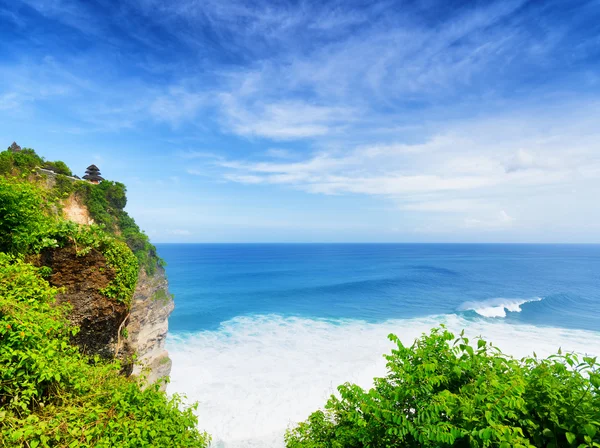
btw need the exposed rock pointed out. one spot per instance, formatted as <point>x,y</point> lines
<point>108,328</point>
<point>14,147</point>
<point>74,210</point>
<point>148,325</point>
<point>98,317</point>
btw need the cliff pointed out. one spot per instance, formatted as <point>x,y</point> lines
<point>84,304</point>
<point>148,324</point>
<point>107,328</point>
<point>111,329</point>
<point>105,267</point>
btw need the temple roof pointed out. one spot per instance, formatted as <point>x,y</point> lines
<point>93,177</point>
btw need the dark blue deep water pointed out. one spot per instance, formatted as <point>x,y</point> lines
<point>214,283</point>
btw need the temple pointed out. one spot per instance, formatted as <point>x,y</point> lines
<point>92,174</point>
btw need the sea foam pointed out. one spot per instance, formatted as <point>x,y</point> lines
<point>496,307</point>
<point>256,376</point>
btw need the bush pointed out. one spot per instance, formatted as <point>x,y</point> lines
<point>438,394</point>
<point>17,163</point>
<point>59,167</point>
<point>105,203</point>
<point>52,395</point>
<point>27,227</point>
<point>24,216</point>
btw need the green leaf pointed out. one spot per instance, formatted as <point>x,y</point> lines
<point>548,433</point>
<point>571,438</point>
<point>590,430</point>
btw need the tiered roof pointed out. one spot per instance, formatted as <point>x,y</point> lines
<point>92,173</point>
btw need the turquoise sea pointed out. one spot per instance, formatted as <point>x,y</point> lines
<point>263,333</point>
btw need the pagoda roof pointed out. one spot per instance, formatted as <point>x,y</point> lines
<point>93,177</point>
<point>93,168</point>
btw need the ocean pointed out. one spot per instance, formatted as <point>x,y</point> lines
<point>262,334</point>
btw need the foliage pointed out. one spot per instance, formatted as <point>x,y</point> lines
<point>438,394</point>
<point>105,203</point>
<point>120,258</point>
<point>53,396</point>
<point>59,167</point>
<point>27,227</point>
<point>24,218</point>
<point>21,162</point>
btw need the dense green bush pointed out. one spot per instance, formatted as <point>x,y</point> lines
<point>105,203</point>
<point>27,226</point>
<point>53,396</point>
<point>59,167</point>
<point>17,163</point>
<point>24,216</point>
<point>440,393</point>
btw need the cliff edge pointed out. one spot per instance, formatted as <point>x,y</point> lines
<point>102,263</point>
<point>148,325</point>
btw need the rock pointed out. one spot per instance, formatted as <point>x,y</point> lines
<point>148,325</point>
<point>98,317</point>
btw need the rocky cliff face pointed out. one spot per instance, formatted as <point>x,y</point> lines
<point>108,328</point>
<point>81,277</point>
<point>148,324</point>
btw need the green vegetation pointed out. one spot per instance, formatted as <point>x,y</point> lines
<point>17,163</point>
<point>162,296</point>
<point>58,167</point>
<point>51,395</point>
<point>105,202</point>
<point>442,392</point>
<point>25,219</point>
<point>27,227</point>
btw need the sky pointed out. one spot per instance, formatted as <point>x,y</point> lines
<point>318,121</point>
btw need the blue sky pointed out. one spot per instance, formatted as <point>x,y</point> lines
<point>252,121</point>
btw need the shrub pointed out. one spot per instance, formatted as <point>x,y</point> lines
<point>59,167</point>
<point>438,394</point>
<point>27,227</point>
<point>17,163</point>
<point>105,203</point>
<point>52,395</point>
<point>24,216</point>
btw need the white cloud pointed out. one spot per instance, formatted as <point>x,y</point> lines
<point>470,168</point>
<point>285,120</point>
<point>501,220</point>
<point>177,104</point>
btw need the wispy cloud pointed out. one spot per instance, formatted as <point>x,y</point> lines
<point>482,112</point>
<point>468,167</point>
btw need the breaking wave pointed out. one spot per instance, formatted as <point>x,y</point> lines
<point>496,307</point>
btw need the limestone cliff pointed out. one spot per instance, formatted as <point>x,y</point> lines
<point>148,325</point>
<point>108,328</point>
